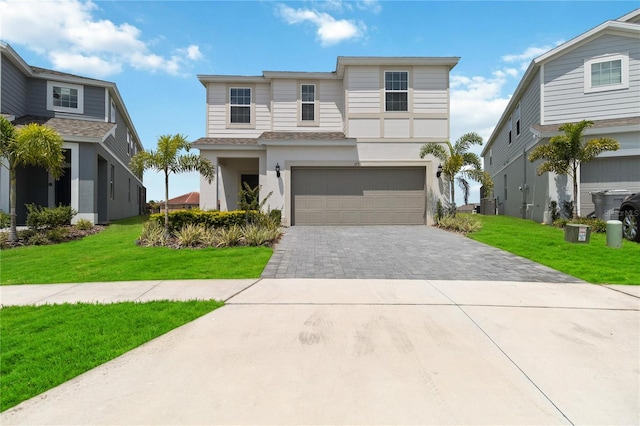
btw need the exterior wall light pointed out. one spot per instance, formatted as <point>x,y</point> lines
<point>439,172</point>
<point>277,170</point>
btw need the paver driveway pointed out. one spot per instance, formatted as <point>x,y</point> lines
<point>398,252</point>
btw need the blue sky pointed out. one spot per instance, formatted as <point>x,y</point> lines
<point>153,50</point>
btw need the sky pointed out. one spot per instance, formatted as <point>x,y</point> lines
<point>153,50</point>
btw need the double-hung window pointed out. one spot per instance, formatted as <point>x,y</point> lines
<point>240,105</point>
<point>308,102</point>
<point>396,91</point>
<point>606,73</point>
<point>65,97</point>
<point>518,120</point>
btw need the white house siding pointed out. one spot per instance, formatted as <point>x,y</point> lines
<point>285,105</point>
<point>564,97</point>
<point>217,100</point>
<point>430,90</point>
<point>362,85</point>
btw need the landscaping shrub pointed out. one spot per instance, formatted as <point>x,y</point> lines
<point>38,239</point>
<point>39,217</point>
<point>275,215</point>
<point>231,236</point>
<point>84,224</point>
<point>554,211</point>
<point>189,235</point>
<point>597,225</point>
<point>211,237</point>
<point>214,219</point>
<point>57,235</point>
<point>257,235</point>
<point>462,223</point>
<point>152,234</point>
<point>5,219</point>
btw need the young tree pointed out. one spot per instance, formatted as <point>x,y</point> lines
<point>564,153</point>
<point>167,159</point>
<point>31,145</point>
<point>458,160</point>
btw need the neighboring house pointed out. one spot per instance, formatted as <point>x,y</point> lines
<point>337,147</point>
<point>99,140</point>
<point>183,202</point>
<point>468,208</point>
<point>595,76</point>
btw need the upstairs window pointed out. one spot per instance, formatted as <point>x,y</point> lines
<point>607,73</point>
<point>308,102</point>
<point>510,129</point>
<point>65,97</point>
<point>129,143</point>
<point>240,105</point>
<point>396,91</point>
<point>518,120</point>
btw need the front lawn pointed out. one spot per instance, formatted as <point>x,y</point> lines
<point>112,255</point>
<point>593,262</point>
<point>44,346</point>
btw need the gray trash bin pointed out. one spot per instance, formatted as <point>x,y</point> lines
<point>607,202</point>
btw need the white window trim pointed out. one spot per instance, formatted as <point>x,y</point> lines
<point>607,58</point>
<point>252,121</point>
<point>315,121</point>
<point>385,91</point>
<point>51,107</point>
<point>112,112</point>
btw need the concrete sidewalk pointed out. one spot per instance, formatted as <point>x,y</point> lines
<point>313,351</point>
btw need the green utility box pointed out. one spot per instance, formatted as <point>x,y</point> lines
<point>577,233</point>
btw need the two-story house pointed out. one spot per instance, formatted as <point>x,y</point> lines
<point>99,140</point>
<point>596,77</point>
<point>338,147</point>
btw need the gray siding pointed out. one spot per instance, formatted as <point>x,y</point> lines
<point>122,205</point>
<point>87,202</point>
<point>564,97</point>
<point>94,102</point>
<point>14,89</point>
<point>37,98</point>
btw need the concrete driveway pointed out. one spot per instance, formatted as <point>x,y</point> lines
<point>398,252</point>
<point>304,351</point>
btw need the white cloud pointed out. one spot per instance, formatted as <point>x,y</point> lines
<point>74,39</point>
<point>329,31</point>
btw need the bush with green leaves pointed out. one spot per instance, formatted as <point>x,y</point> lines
<point>597,225</point>
<point>57,235</point>
<point>84,224</point>
<point>214,219</point>
<point>38,239</point>
<point>231,236</point>
<point>189,235</point>
<point>463,223</point>
<point>5,219</point>
<point>152,234</point>
<point>39,217</point>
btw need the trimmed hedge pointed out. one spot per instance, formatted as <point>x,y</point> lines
<point>208,219</point>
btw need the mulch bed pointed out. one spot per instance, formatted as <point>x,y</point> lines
<point>72,234</point>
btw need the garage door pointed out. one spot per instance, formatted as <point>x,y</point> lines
<point>358,196</point>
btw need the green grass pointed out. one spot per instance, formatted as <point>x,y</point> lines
<point>44,346</point>
<point>594,262</point>
<point>112,255</point>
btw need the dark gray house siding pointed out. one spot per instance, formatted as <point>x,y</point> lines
<point>14,90</point>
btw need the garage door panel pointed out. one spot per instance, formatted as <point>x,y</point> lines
<point>364,195</point>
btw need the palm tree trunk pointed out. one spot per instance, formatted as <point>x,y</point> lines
<point>452,202</point>
<point>166,202</point>
<point>13,233</point>
<point>575,191</point>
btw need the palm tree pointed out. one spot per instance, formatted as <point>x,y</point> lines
<point>167,159</point>
<point>31,145</point>
<point>458,160</point>
<point>564,153</point>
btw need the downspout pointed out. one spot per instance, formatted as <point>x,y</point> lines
<point>525,187</point>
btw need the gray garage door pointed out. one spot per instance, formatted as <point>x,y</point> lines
<point>358,196</point>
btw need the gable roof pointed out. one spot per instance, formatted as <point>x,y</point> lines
<point>624,25</point>
<point>190,198</point>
